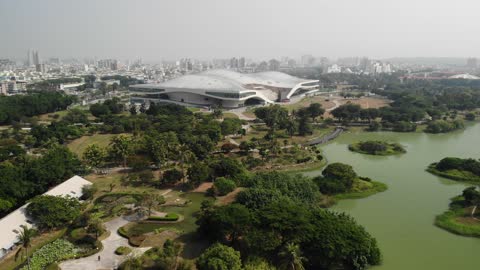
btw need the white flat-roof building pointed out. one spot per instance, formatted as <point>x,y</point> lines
<point>10,224</point>
<point>225,88</point>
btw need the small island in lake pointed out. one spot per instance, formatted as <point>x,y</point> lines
<point>458,169</point>
<point>341,182</point>
<point>379,148</point>
<point>462,218</point>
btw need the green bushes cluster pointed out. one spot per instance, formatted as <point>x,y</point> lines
<point>56,251</point>
<point>168,217</point>
<point>376,148</point>
<point>222,186</point>
<point>442,126</point>
<point>123,250</point>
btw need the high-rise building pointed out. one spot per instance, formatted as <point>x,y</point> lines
<point>472,63</point>
<point>29,59</point>
<point>274,65</point>
<point>241,62</point>
<point>36,58</point>
<point>364,63</point>
<point>234,63</point>
<point>114,65</point>
<point>40,68</point>
<point>308,60</point>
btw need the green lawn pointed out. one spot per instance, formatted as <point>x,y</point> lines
<point>229,115</point>
<point>458,220</point>
<point>79,145</point>
<point>362,189</point>
<point>457,175</point>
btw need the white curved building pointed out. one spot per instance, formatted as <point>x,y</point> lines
<point>226,88</point>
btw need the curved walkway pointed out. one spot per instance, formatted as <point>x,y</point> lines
<point>109,260</point>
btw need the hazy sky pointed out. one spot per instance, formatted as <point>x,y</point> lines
<point>169,29</point>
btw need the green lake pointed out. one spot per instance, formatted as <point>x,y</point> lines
<point>401,218</point>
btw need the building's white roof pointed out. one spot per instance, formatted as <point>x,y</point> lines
<point>11,223</point>
<point>464,76</point>
<point>227,80</point>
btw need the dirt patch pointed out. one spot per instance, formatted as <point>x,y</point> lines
<point>203,187</point>
<point>467,221</point>
<point>367,102</point>
<point>230,197</point>
<point>157,240</point>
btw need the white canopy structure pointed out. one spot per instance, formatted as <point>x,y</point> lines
<point>10,224</point>
<point>224,87</point>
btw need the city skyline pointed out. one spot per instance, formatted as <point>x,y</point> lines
<point>170,30</point>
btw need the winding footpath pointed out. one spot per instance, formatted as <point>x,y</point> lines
<point>108,258</point>
<point>327,137</point>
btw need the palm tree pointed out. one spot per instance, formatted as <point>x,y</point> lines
<point>291,257</point>
<point>25,240</point>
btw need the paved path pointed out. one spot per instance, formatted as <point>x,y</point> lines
<point>239,112</point>
<point>109,260</point>
<point>337,104</point>
<point>327,137</point>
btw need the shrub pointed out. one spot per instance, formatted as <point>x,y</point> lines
<point>56,251</point>
<point>123,250</point>
<point>470,116</point>
<point>172,176</point>
<point>228,147</point>
<point>223,186</point>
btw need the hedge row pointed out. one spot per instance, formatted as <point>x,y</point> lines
<point>168,217</point>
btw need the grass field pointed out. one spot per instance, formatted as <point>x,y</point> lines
<point>457,219</point>
<point>457,175</point>
<point>229,115</point>
<point>362,189</point>
<point>309,100</point>
<point>79,145</point>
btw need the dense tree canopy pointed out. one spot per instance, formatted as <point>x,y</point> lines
<point>53,211</point>
<point>14,108</point>
<point>219,257</point>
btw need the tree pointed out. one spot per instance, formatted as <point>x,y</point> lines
<point>173,250</point>
<point>246,146</point>
<point>99,110</point>
<point>223,186</point>
<point>185,156</point>
<point>470,116</point>
<point>199,172</point>
<point>219,257</point>
<point>274,116</point>
<point>95,225</point>
<point>339,171</point>
<point>121,148</point>
<point>315,110</point>
<point>217,112</point>
<point>228,147</point>
<point>94,155</point>
<point>231,126</point>
<point>337,178</point>
<point>133,109</point>
<point>291,257</point>
<point>76,116</point>
<point>150,201</point>
<point>172,176</point>
<point>53,211</point>
<point>25,238</point>
<point>291,127</point>
<point>160,146</point>
<point>258,263</point>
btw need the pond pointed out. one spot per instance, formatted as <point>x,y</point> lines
<point>402,218</point>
